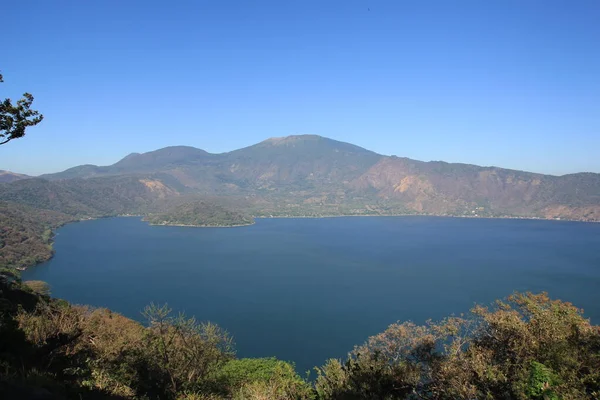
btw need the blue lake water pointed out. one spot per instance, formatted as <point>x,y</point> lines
<point>306,290</point>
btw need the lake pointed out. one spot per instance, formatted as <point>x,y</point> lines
<point>305,290</point>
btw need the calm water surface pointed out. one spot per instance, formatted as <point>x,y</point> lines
<point>310,289</point>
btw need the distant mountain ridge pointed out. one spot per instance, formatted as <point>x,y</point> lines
<point>177,156</point>
<point>309,175</point>
<point>134,163</point>
<point>8,176</point>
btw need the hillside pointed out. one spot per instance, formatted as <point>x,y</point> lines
<point>200,214</point>
<point>7,176</point>
<point>26,234</point>
<point>93,197</point>
<point>135,163</point>
<point>462,189</point>
<point>309,175</point>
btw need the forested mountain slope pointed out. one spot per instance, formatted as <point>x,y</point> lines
<point>8,176</point>
<point>313,175</point>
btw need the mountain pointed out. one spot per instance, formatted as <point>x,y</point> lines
<point>274,162</point>
<point>305,160</point>
<point>94,197</point>
<point>7,176</point>
<point>153,161</point>
<point>462,189</point>
<point>309,175</point>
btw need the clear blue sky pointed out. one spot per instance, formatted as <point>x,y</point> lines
<point>507,83</point>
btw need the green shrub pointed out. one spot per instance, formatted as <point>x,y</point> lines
<point>258,378</point>
<point>245,370</point>
<point>39,287</point>
<point>541,382</point>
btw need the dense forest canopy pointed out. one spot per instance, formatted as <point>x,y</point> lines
<point>26,234</point>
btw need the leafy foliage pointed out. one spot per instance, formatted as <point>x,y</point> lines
<point>245,370</point>
<point>16,118</point>
<point>67,351</point>
<point>526,347</point>
<point>541,382</point>
<point>189,352</point>
<point>263,378</point>
<point>39,287</point>
<point>26,234</point>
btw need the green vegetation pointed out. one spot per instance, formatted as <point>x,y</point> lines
<point>309,175</point>
<point>39,287</point>
<point>35,208</point>
<point>199,213</point>
<point>26,234</point>
<point>527,347</point>
<point>16,118</point>
<point>95,197</point>
<point>51,348</point>
<point>252,378</point>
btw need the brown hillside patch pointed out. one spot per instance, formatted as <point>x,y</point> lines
<point>156,186</point>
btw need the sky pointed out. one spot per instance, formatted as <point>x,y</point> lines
<point>514,84</point>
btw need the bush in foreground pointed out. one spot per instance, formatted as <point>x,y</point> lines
<point>527,347</point>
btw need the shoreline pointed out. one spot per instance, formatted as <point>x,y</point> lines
<point>422,215</point>
<point>329,216</point>
<point>202,226</point>
<point>142,217</point>
<point>348,215</point>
